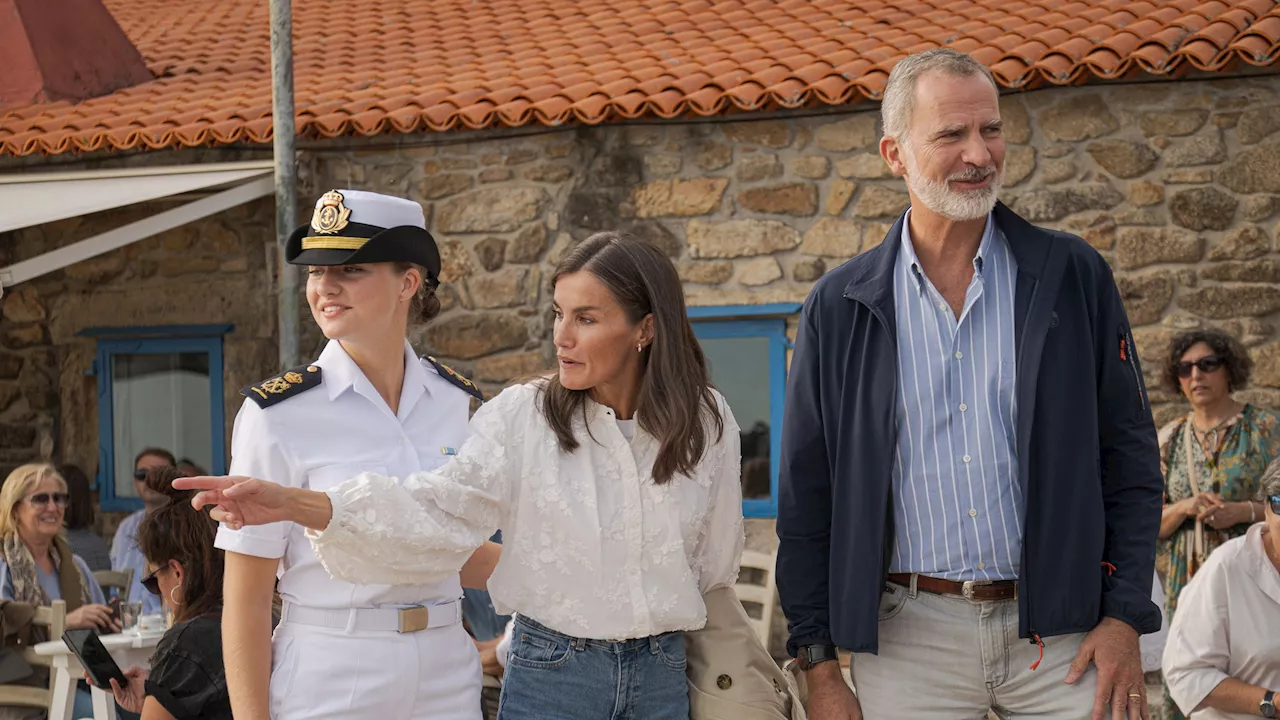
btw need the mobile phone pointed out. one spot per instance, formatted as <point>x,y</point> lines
<point>94,658</point>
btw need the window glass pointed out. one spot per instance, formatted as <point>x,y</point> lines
<point>740,371</point>
<point>159,400</point>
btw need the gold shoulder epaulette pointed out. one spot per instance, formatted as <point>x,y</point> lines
<point>283,386</point>
<point>452,376</point>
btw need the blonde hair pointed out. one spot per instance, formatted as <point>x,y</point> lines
<point>16,487</point>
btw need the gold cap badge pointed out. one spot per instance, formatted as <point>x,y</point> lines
<point>330,215</point>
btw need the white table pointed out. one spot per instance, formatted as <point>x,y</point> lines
<point>128,649</point>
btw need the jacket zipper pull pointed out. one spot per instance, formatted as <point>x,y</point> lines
<point>1035,640</point>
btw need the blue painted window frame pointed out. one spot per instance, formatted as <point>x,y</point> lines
<point>756,321</point>
<point>155,340</point>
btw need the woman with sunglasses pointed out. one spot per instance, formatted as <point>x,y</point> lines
<point>38,567</point>
<point>186,680</point>
<point>1222,659</point>
<point>1212,459</point>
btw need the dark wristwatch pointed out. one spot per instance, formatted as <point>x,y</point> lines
<point>811,655</point>
<point>1267,707</point>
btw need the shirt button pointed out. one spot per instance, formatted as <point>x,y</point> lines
<point>973,513</point>
<point>965,458</point>
<point>959,355</point>
<point>963,407</point>
<point>982,566</point>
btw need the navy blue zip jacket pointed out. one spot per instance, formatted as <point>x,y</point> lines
<point>1088,463</point>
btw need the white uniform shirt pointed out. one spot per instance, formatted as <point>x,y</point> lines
<point>1227,625</point>
<point>592,546</point>
<point>327,434</point>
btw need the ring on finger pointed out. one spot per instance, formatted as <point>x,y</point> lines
<point>1135,696</point>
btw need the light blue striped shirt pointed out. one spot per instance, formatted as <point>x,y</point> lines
<point>957,503</point>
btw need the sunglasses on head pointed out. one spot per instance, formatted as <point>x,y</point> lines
<point>45,498</point>
<point>1207,364</point>
<point>151,582</point>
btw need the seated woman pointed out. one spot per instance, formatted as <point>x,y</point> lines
<point>186,680</point>
<point>1222,657</point>
<point>37,565</point>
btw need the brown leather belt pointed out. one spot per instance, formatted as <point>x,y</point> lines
<point>971,590</point>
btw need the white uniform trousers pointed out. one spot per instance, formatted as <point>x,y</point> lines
<point>319,672</point>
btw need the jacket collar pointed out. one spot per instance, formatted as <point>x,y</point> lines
<point>873,284</point>
<point>341,374</point>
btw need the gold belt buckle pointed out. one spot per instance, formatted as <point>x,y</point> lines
<point>967,587</point>
<point>413,619</point>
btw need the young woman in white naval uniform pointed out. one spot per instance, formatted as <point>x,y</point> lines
<point>367,404</point>
<point>615,482</point>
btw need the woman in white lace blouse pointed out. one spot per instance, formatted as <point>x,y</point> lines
<point>615,482</point>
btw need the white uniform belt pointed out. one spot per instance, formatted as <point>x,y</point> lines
<point>405,619</point>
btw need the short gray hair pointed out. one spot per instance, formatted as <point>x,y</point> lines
<point>1270,483</point>
<point>900,93</point>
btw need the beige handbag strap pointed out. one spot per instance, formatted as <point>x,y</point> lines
<point>1196,551</point>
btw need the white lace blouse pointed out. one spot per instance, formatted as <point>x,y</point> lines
<point>592,546</point>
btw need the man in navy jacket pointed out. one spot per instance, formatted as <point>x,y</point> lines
<point>970,485</point>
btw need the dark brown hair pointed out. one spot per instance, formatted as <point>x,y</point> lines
<point>676,396</point>
<point>177,531</point>
<point>80,505</point>
<point>158,452</point>
<point>425,306</point>
<point>1235,358</point>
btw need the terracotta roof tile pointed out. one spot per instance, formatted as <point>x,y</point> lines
<point>361,69</point>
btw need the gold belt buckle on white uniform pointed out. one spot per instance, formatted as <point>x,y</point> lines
<point>414,619</point>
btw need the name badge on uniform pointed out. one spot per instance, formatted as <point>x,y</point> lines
<point>448,451</point>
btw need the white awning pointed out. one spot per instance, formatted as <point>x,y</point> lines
<point>34,199</point>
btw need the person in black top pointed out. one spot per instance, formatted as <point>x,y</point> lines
<point>186,681</point>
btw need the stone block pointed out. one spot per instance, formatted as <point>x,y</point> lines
<point>520,157</point>
<point>1258,207</point>
<point>1017,122</point>
<point>680,198</point>
<point>1222,301</point>
<point>759,167</point>
<point>1138,247</point>
<point>467,336</point>
<point>495,174</point>
<point>1122,158</point>
<point>705,272</point>
<point>759,271</point>
<point>10,366</point>
<point>27,335</point>
<point>838,196</point>
<point>1097,229</point>
<point>528,244</point>
<point>97,270</point>
<point>615,170</point>
<point>179,265</point>
<point>1254,171</point>
<point>455,261</point>
<point>1199,150</point>
<point>1242,243</point>
<point>808,269</point>
<point>17,437</point>
<point>1262,270</point>
<point>877,201</point>
<point>739,238</point>
<point>713,157</point>
<point>23,304</point>
<point>853,133</point>
<point>864,166</point>
<point>1054,204</point>
<point>1187,176</point>
<point>813,167</point>
<point>1081,116</point>
<point>434,187</point>
<point>1143,193</point>
<point>770,133</point>
<point>1057,170</point>
<point>1206,208</point>
<point>548,173</point>
<point>490,210</point>
<point>1172,122</point>
<point>833,237</point>
<point>662,165</point>
<point>655,234</point>
<point>1145,296</point>
<point>510,366</point>
<point>1257,123</point>
<point>509,287</point>
<point>798,199</point>
<point>1019,163</point>
<point>490,252</point>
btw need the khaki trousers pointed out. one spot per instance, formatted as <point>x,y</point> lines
<point>942,656</point>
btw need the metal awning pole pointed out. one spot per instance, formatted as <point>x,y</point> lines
<point>286,170</point>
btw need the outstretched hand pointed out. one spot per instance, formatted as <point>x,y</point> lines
<point>238,501</point>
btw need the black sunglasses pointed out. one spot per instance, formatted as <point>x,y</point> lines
<point>60,499</point>
<point>151,582</point>
<point>1274,500</point>
<point>1207,364</point>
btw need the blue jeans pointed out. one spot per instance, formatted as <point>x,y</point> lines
<point>551,676</point>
